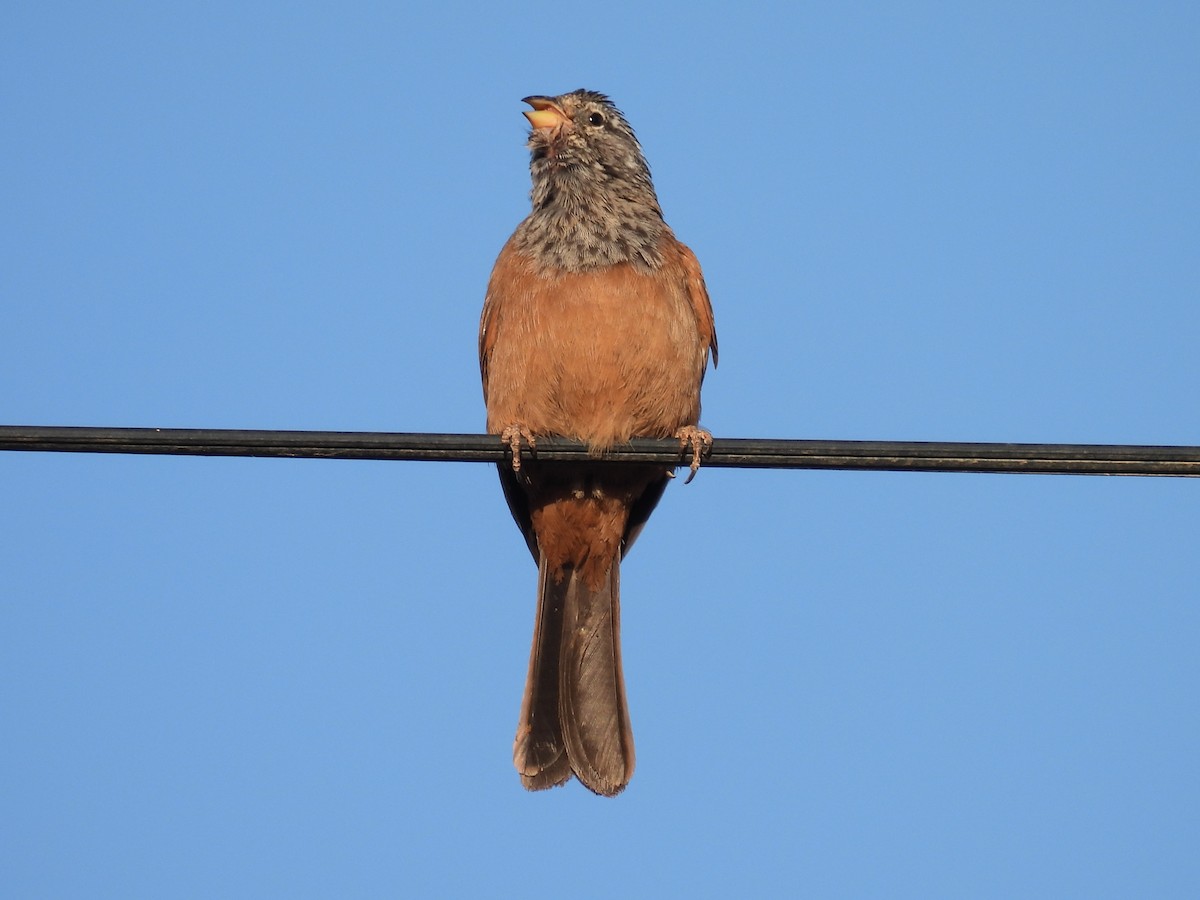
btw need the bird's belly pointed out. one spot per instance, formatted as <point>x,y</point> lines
<point>604,358</point>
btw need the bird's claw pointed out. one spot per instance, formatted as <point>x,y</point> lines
<point>513,435</point>
<point>700,442</point>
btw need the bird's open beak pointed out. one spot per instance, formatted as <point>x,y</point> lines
<point>545,114</point>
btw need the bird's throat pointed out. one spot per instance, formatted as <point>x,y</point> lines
<point>579,225</point>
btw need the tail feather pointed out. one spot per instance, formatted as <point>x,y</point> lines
<point>574,718</point>
<point>538,752</point>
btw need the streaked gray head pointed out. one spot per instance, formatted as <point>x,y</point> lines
<point>593,200</point>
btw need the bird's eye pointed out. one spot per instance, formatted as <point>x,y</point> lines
<point>596,119</point>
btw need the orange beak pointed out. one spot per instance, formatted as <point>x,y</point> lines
<point>545,114</point>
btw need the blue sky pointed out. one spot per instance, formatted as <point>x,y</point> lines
<point>248,678</point>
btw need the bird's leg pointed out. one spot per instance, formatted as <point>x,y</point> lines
<point>700,442</point>
<point>513,435</point>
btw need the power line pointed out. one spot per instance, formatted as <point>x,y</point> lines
<point>895,456</point>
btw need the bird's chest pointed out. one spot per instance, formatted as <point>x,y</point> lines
<point>604,355</point>
<point>598,330</point>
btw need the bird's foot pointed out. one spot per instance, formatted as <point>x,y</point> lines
<point>700,442</point>
<point>513,435</point>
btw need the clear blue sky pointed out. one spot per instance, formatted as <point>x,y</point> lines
<point>251,678</point>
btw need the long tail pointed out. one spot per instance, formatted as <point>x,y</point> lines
<point>574,718</point>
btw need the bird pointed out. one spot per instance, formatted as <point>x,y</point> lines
<point>597,326</point>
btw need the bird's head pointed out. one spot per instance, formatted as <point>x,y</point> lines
<point>583,137</point>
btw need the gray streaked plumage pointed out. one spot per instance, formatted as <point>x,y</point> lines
<point>593,199</point>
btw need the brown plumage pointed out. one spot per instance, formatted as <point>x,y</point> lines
<point>596,326</point>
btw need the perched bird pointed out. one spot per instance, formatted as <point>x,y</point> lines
<point>596,326</point>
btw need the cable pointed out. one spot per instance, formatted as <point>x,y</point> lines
<point>924,456</point>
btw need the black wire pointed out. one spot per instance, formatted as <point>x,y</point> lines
<point>924,456</point>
